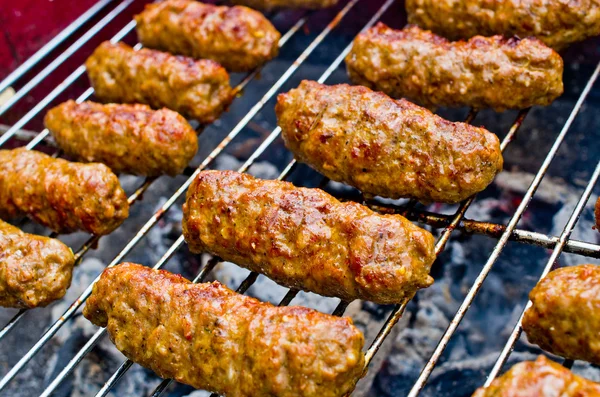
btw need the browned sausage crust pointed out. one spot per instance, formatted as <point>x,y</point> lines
<point>128,138</point>
<point>196,89</point>
<point>34,270</point>
<point>239,38</point>
<point>485,72</point>
<point>59,194</point>
<point>306,239</point>
<point>558,23</point>
<point>386,147</point>
<point>274,4</point>
<point>542,378</point>
<point>209,337</point>
<point>563,318</point>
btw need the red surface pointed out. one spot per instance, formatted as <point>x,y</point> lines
<point>26,25</point>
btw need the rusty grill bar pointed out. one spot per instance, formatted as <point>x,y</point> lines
<point>449,223</point>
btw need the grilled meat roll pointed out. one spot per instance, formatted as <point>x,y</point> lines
<point>563,317</point>
<point>539,378</point>
<point>209,337</point>
<point>128,138</point>
<point>239,38</point>
<point>59,194</point>
<point>306,239</point>
<point>196,89</point>
<point>391,148</point>
<point>34,270</point>
<point>557,23</point>
<point>485,72</point>
<point>274,4</point>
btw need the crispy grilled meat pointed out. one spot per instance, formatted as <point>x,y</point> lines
<point>485,72</point>
<point>239,38</point>
<point>128,138</point>
<point>274,4</point>
<point>59,194</point>
<point>209,337</point>
<point>558,23</point>
<point>306,239</point>
<point>196,89</point>
<point>34,270</point>
<point>540,378</point>
<point>563,318</point>
<point>391,148</point>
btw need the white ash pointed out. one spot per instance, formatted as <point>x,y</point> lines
<point>266,290</point>
<point>551,190</point>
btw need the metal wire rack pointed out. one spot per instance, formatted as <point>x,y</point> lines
<point>448,223</point>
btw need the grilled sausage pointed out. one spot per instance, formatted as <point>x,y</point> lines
<point>196,89</point>
<point>539,378</point>
<point>34,270</point>
<point>209,337</point>
<point>274,4</point>
<point>238,38</point>
<point>59,194</point>
<point>557,23</point>
<point>485,72</point>
<point>128,138</point>
<point>391,148</point>
<point>563,317</point>
<point>306,239</point>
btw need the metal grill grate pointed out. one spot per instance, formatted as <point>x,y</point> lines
<point>557,244</point>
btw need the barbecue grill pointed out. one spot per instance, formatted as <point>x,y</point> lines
<point>311,32</point>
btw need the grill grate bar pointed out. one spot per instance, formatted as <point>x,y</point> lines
<point>424,376</point>
<point>449,223</point>
<point>493,230</point>
<point>64,56</point>
<point>124,367</point>
<point>558,249</point>
<point>244,168</point>
<point>158,215</point>
<point>96,337</point>
<point>59,88</point>
<point>45,132</point>
<point>339,310</point>
<point>291,293</point>
<point>43,135</point>
<point>93,239</point>
<point>398,310</point>
<point>139,192</point>
<point>78,255</point>
<point>10,325</point>
<point>247,283</point>
<point>52,44</point>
